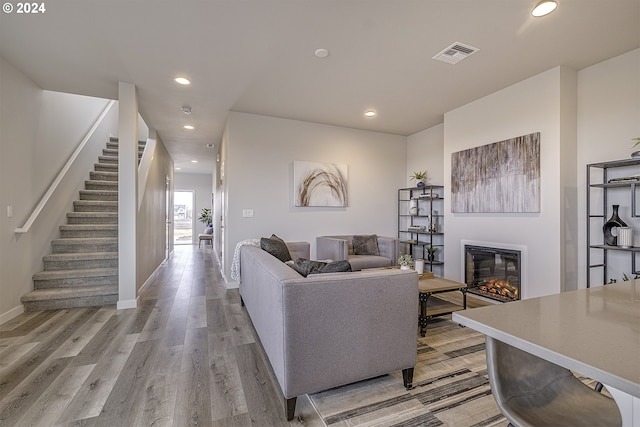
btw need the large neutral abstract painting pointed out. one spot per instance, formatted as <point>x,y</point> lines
<point>319,184</point>
<point>499,177</point>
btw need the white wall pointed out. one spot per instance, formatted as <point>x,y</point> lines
<point>425,151</point>
<point>200,184</point>
<point>258,161</point>
<point>608,118</point>
<point>533,105</point>
<point>38,132</point>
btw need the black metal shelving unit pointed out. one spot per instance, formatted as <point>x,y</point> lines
<point>598,180</point>
<point>429,201</point>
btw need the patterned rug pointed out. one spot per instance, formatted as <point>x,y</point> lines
<point>451,388</point>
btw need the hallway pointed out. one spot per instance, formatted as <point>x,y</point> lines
<point>186,356</point>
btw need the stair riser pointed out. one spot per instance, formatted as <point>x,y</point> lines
<point>94,207</point>
<point>103,176</point>
<point>105,167</point>
<point>101,196</point>
<point>70,234</point>
<point>97,301</point>
<point>108,159</point>
<point>97,219</point>
<point>76,281</point>
<point>66,248</point>
<point>80,264</point>
<point>101,185</point>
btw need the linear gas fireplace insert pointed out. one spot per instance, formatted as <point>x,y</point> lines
<point>493,273</point>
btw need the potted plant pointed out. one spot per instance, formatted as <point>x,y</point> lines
<point>205,216</point>
<point>431,252</point>
<point>405,261</point>
<point>420,177</point>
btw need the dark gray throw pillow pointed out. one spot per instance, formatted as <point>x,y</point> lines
<point>365,245</point>
<point>306,266</point>
<point>276,247</point>
<point>340,266</point>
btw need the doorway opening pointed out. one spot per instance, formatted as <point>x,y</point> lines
<point>183,217</point>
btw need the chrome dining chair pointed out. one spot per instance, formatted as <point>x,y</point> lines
<point>531,391</point>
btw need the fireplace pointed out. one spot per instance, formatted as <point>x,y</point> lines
<point>494,273</point>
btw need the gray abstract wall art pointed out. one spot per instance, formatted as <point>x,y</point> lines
<point>499,177</point>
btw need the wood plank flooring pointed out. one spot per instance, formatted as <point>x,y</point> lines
<point>187,356</point>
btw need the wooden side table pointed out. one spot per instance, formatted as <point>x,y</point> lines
<point>431,306</point>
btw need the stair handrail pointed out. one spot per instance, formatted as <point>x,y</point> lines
<point>54,185</point>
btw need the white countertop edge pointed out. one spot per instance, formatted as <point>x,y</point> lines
<point>575,365</point>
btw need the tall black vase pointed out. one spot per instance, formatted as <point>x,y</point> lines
<point>608,228</point>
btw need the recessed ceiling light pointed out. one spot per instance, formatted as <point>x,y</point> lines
<point>178,169</point>
<point>370,113</point>
<point>185,109</point>
<point>321,53</point>
<point>543,8</point>
<point>182,80</point>
<point>188,127</point>
<point>210,145</point>
<point>194,161</point>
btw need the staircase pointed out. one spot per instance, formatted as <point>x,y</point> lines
<point>82,270</point>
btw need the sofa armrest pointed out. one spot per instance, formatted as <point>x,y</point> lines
<point>389,248</point>
<point>332,248</point>
<point>345,327</point>
<point>299,249</point>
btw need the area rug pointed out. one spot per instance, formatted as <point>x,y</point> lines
<point>451,388</point>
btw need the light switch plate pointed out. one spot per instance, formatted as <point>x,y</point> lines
<point>9,211</point>
<point>247,213</point>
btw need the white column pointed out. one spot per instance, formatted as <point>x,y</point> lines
<point>127,194</point>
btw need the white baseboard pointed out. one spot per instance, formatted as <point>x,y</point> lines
<point>14,312</point>
<point>123,305</point>
<point>229,284</point>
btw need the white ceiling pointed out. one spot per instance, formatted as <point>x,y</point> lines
<point>257,56</point>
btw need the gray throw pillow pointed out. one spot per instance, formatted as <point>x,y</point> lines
<point>276,247</point>
<point>336,267</point>
<point>306,266</point>
<point>365,245</point>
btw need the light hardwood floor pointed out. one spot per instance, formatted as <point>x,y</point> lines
<point>187,356</point>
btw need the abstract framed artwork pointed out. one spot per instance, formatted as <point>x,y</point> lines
<point>319,184</point>
<point>500,177</point>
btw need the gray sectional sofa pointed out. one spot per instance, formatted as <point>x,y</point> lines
<point>331,329</point>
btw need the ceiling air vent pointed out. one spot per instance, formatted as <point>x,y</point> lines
<point>455,53</point>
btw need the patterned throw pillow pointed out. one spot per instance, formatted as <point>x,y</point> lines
<point>306,267</point>
<point>336,267</point>
<point>276,247</point>
<point>366,245</point>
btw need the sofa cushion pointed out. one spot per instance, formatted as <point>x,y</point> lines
<point>360,262</point>
<point>276,247</point>
<point>365,245</point>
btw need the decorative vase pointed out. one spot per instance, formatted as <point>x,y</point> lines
<point>405,267</point>
<point>420,183</point>
<point>413,207</point>
<point>625,237</point>
<point>419,266</point>
<point>635,154</point>
<point>431,256</point>
<point>610,228</point>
